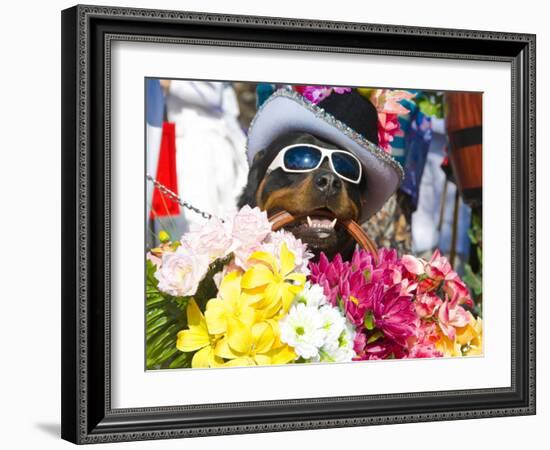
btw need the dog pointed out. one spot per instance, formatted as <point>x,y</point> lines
<point>320,198</point>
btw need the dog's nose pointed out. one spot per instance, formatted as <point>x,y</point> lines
<point>328,183</point>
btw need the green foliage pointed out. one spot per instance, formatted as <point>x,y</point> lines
<point>471,278</point>
<point>207,288</point>
<point>431,104</point>
<point>475,231</point>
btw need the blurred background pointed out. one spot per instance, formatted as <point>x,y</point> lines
<point>196,149</point>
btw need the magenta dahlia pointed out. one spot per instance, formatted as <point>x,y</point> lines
<point>393,313</point>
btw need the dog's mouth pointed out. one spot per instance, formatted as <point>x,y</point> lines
<point>321,230</point>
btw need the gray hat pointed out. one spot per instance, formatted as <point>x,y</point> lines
<point>286,111</point>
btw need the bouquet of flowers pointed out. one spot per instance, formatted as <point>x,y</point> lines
<point>235,293</point>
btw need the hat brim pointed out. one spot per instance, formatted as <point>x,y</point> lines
<point>286,111</point>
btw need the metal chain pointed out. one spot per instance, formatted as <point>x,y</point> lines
<point>174,197</point>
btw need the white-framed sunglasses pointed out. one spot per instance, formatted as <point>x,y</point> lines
<point>301,158</point>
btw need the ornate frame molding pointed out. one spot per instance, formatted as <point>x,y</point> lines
<point>88,32</point>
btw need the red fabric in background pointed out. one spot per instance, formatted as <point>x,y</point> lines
<point>162,205</point>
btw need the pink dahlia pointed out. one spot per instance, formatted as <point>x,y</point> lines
<point>380,349</point>
<point>329,274</point>
<point>389,270</point>
<point>356,299</point>
<point>393,313</point>
<point>363,262</point>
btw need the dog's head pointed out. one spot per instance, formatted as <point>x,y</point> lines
<point>320,198</point>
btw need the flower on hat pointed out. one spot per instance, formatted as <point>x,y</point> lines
<point>386,102</point>
<point>316,94</point>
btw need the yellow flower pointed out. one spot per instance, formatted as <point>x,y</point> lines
<point>231,303</point>
<point>256,345</point>
<point>197,337</point>
<point>240,326</point>
<point>470,337</point>
<point>468,341</point>
<point>270,285</point>
<point>447,346</point>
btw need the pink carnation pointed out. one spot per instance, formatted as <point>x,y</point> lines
<point>426,305</point>
<point>438,268</point>
<point>153,258</point>
<point>423,346</point>
<point>181,272</point>
<point>451,315</point>
<point>213,239</point>
<point>250,226</point>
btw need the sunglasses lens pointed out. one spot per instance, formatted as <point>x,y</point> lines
<point>346,166</point>
<point>302,158</point>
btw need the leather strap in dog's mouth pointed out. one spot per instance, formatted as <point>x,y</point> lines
<point>283,218</point>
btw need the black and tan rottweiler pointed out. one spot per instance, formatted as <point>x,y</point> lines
<point>320,197</point>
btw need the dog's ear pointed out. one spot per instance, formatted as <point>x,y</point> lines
<point>255,175</point>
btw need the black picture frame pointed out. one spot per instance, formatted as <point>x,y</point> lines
<point>87,33</point>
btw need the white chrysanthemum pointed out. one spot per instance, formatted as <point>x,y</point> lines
<point>312,295</point>
<point>333,323</point>
<point>302,329</point>
<point>340,350</point>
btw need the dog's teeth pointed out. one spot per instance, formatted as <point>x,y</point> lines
<point>333,223</point>
<point>309,221</point>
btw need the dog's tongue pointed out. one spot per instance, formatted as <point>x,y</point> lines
<point>320,223</point>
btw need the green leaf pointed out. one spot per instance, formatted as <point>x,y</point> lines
<point>162,321</point>
<point>369,321</point>
<point>153,301</point>
<point>168,352</point>
<point>183,360</point>
<point>160,338</point>
<point>472,280</point>
<point>375,336</point>
<point>207,288</point>
<point>153,313</point>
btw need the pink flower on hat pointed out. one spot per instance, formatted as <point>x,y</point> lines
<point>316,94</point>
